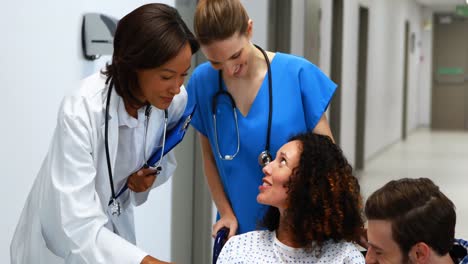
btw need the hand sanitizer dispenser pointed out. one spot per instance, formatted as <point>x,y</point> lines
<point>97,35</point>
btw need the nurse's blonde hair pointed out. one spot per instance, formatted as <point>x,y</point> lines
<point>219,19</point>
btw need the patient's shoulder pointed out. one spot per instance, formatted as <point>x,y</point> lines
<point>253,238</point>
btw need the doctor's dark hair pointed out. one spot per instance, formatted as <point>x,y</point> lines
<point>146,38</point>
<point>418,212</point>
<point>324,200</point>
<point>219,19</point>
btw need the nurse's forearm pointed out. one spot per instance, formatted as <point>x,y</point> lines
<point>217,192</point>
<point>213,179</point>
<point>323,128</point>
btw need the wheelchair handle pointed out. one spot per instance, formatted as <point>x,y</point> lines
<point>220,239</point>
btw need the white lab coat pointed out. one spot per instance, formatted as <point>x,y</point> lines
<point>66,217</point>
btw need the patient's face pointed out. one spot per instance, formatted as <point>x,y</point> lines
<point>273,191</point>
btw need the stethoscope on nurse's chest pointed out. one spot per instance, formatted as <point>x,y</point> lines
<point>114,204</point>
<point>264,157</point>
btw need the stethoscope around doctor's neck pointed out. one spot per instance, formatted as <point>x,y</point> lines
<point>114,204</point>
<point>264,157</point>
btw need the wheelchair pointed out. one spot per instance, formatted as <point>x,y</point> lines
<point>220,240</point>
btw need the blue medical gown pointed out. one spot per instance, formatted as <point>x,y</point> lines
<point>301,94</point>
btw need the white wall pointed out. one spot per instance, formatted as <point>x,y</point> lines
<point>425,74</point>
<point>383,106</point>
<point>414,14</point>
<point>384,71</point>
<point>258,12</point>
<point>41,61</point>
<point>385,74</point>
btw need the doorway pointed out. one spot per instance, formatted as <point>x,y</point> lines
<point>450,79</point>
<point>279,26</point>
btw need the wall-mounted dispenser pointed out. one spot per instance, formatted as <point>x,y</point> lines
<point>97,35</point>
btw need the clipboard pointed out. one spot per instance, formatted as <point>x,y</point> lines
<point>173,137</point>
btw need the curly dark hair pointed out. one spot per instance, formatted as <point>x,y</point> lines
<point>324,200</point>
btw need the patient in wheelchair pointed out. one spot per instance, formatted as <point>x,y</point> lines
<point>315,208</point>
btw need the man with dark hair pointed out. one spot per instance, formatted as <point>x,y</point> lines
<point>412,221</point>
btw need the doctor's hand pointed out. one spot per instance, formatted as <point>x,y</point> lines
<point>229,221</point>
<point>150,260</point>
<point>141,180</point>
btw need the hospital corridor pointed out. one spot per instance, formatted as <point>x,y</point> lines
<point>392,82</point>
<point>438,155</point>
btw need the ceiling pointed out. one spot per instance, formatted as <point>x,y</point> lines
<point>441,5</point>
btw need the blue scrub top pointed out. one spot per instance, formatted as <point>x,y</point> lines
<point>301,94</point>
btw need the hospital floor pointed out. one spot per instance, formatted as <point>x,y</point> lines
<point>440,156</point>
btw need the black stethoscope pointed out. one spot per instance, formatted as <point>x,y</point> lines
<point>264,157</point>
<point>114,204</point>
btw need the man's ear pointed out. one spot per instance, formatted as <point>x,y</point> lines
<point>420,253</point>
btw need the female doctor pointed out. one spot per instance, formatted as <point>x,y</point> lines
<point>105,133</point>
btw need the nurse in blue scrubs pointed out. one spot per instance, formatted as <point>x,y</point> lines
<point>250,101</point>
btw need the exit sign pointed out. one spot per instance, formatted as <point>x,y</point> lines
<point>450,71</point>
<point>462,10</point>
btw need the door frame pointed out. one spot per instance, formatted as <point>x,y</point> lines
<point>404,118</point>
<point>361,88</point>
<point>336,68</point>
